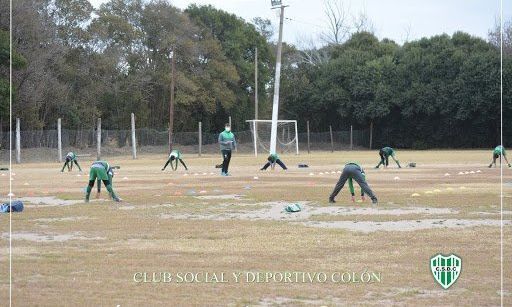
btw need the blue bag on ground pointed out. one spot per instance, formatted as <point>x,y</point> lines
<point>16,206</point>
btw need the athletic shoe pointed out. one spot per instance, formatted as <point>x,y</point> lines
<point>116,199</point>
<point>490,165</point>
<point>331,200</point>
<point>87,199</point>
<point>375,201</point>
<point>223,174</point>
<point>376,167</point>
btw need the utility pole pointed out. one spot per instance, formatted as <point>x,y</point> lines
<point>275,105</point>
<point>171,101</point>
<point>255,124</point>
<point>256,83</point>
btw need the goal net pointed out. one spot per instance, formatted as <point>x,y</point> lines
<point>287,136</point>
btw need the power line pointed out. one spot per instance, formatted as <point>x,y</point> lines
<point>302,21</point>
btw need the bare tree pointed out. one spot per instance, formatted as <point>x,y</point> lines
<point>309,53</point>
<point>341,24</point>
<point>494,35</point>
<point>362,23</point>
<point>407,33</point>
<point>338,28</point>
<point>264,27</point>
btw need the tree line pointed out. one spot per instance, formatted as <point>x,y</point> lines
<point>77,63</point>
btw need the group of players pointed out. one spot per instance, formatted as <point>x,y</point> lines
<point>102,171</point>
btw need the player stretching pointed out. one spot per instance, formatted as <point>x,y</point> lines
<point>353,171</point>
<point>498,152</point>
<point>227,143</point>
<point>272,160</point>
<point>175,156</point>
<point>101,170</point>
<point>384,154</point>
<point>70,159</point>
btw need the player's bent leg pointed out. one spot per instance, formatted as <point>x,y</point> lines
<point>166,163</point>
<point>184,165</point>
<point>278,161</point>
<point>78,165</point>
<point>358,177</point>
<point>88,190</point>
<point>264,168</point>
<point>110,190</point>
<point>339,185</point>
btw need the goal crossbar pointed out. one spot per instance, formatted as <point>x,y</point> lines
<point>253,123</point>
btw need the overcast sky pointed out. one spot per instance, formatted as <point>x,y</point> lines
<point>391,18</point>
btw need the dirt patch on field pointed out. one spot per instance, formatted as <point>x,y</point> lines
<point>39,237</point>
<point>62,219</point>
<point>51,201</point>
<point>221,197</point>
<point>405,225</point>
<point>275,211</point>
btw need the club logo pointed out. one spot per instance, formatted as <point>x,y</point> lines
<point>446,269</point>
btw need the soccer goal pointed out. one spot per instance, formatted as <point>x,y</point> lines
<point>287,136</point>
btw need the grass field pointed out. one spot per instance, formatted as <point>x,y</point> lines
<point>67,252</point>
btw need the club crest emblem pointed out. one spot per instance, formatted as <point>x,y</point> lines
<point>445,269</point>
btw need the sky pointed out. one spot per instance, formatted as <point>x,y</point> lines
<point>399,20</point>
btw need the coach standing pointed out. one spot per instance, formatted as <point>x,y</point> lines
<point>227,144</point>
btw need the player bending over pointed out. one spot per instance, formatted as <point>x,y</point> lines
<point>175,156</point>
<point>101,170</point>
<point>498,152</point>
<point>272,160</point>
<point>70,159</point>
<point>353,171</point>
<point>384,154</point>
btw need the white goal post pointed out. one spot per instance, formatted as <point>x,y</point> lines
<point>287,135</point>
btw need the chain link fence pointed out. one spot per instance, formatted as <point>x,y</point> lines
<point>41,145</point>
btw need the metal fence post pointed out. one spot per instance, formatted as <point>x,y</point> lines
<point>98,140</point>
<point>200,138</point>
<point>307,127</point>
<point>18,141</point>
<point>59,139</point>
<point>134,141</point>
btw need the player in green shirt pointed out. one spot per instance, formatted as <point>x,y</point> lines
<point>227,143</point>
<point>353,171</point>
<point>70,159</point>
<point>272,160</point>
<point>384,154</point>
<point>499,151</point>
<point>101,170</point>
<point>175,156</point>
